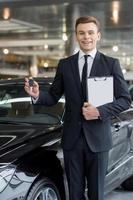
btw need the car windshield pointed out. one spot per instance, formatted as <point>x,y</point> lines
<point>16,106</point>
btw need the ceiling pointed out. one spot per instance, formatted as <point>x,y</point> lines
<point>41,28</point>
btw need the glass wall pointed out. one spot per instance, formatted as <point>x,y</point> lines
<point>34,37</point>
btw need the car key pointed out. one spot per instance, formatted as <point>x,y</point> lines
<point>31,81</point>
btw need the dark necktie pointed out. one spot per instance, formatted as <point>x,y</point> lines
<point>84,79</point>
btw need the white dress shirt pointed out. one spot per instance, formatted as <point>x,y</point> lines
<point>90,60</point>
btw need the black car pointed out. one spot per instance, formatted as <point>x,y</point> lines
<point>131,91</point>
<point>31,159</point>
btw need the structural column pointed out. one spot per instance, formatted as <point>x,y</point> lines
<point>33,68</point>
<point>73,12</point>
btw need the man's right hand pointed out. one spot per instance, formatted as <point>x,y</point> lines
<point>33,90</point>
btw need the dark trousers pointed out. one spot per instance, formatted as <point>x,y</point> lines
<point>84,166</point>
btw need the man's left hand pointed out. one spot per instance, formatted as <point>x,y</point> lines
<point>90,112</point>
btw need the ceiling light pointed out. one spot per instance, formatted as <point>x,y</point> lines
<point>46,46</point>
<point>64,37</point>
<point>5,51</point>
<point>115,48</point>
<point>45,64</point>
<point>6,13</point>
<point>115,11</point>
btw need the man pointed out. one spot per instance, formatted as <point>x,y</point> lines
<point>86,132</point>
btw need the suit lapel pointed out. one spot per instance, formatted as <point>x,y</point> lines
<point>96,67</point>
<point>75,70</point>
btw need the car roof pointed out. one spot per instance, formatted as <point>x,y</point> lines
<point>20,81</point>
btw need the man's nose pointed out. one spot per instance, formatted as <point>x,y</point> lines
<point>86,35</point>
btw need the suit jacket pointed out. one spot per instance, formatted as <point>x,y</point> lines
<point>67,82</point>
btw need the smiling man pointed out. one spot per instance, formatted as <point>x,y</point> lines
<point>86,136</point>
<point>88,36</point>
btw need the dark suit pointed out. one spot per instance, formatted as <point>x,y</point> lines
<point>96,133</point>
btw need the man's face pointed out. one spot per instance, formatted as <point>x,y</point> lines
<point>87,36</point>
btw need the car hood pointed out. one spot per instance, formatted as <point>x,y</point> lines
<point>17,140</point>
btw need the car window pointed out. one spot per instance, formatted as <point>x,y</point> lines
<point>28,113</point>
<point>16,105</point>
<point>16,90</point>
<point>12,91</point>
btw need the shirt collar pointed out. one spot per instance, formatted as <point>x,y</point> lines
<point>92,53</point>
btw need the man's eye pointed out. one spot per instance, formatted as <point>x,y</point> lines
<point>90,32</point>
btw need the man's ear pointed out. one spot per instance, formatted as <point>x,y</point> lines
<point>99,36</point>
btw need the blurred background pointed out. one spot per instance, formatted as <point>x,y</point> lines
<point>35,34</point>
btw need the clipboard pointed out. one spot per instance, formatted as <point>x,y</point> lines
<point>100,90</point>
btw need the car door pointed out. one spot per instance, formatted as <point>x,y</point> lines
<point>120,128</point>
<point>120,158</point>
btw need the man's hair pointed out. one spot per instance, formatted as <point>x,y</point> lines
<point>87,19</point>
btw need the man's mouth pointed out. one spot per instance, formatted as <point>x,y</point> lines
<point>86,43</point>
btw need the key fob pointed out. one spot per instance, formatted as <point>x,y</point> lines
<point>31,81</point>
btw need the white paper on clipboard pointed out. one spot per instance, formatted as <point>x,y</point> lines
<point>100,90</point>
